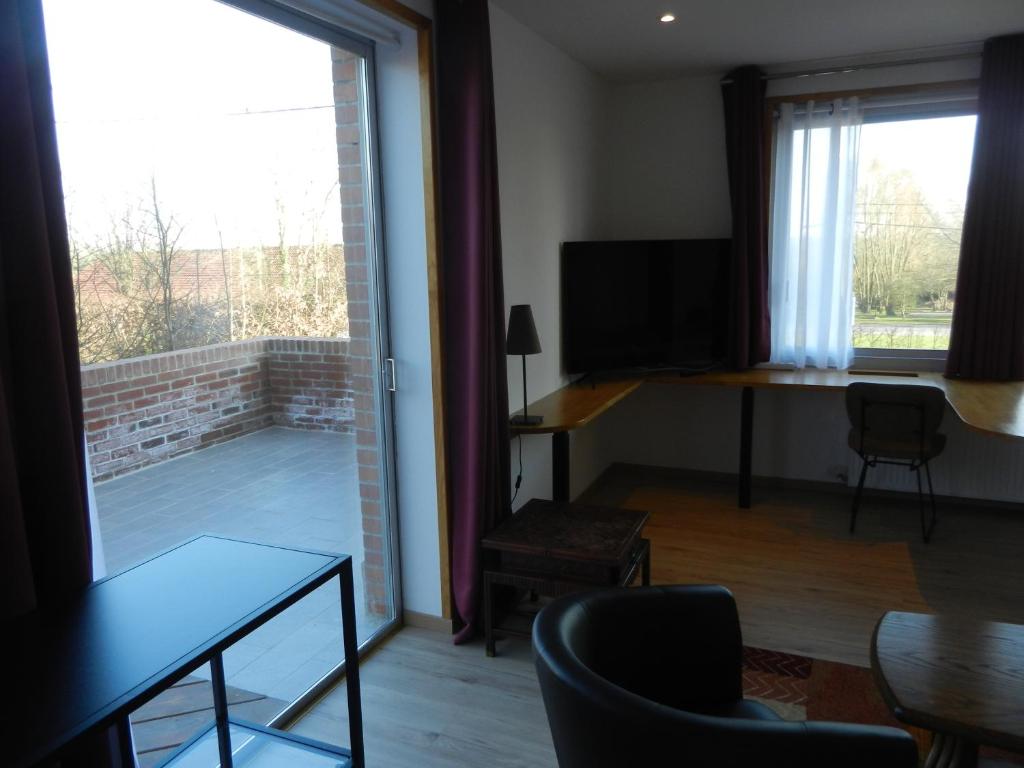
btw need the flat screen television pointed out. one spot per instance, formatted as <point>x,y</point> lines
<point>644,304</point>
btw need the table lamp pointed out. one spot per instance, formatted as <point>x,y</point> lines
<point>522,340</point>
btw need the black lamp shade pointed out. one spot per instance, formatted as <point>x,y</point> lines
<point>522,336</point>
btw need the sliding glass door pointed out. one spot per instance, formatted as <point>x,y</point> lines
<point>220,176</point>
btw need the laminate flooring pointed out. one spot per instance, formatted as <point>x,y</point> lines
<point>802,582</point>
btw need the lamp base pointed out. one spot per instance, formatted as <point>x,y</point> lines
<point>525,421</point>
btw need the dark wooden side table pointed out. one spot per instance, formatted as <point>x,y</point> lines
<point>963,679</point>
<point>554,548</point>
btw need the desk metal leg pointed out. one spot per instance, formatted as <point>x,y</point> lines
<point>220,710</point>
<point>746,445</point>
<point>560,466</point>
<point>348,629</point>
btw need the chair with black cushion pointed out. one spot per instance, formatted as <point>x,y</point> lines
<point>652,676</point>
<point>896,424</point>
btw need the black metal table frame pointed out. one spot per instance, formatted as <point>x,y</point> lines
<point>547,585</point>
<point>212,652</point>
<point>342,568</point>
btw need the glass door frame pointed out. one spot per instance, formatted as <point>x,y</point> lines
<point>365,48</point>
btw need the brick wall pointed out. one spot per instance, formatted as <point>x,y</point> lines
<point>310,383</point>
<point>352,176</point>
<point>144,410</point>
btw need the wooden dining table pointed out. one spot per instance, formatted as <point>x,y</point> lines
<point>961,678</point>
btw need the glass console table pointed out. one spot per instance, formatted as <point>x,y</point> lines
<point>86,667</point>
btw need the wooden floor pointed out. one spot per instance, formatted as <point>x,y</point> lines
<point>803,585</point>
<point>427,702</point>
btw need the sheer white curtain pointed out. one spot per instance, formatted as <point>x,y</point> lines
<point>812,233</point>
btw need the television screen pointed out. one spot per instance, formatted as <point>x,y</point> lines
<point>644,304</point>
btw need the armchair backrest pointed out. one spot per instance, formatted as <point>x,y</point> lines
<point>626,673</point>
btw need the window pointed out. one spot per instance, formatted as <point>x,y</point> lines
<point>909,212</point>
<point>867,210</point>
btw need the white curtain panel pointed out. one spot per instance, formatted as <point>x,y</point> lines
<point>811,261</point>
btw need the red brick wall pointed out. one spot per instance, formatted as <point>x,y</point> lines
<point>351,174</point>
<point>144,410</point>
<point>310,383</point>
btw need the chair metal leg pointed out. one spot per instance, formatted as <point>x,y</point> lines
<point>857,493</point>
<point>926,532</point>
<point>916,469</point>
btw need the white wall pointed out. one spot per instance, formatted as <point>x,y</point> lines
<point>402,187</point>
<point>666,174</point>
<point>549,111</point>
<point>668,178</point>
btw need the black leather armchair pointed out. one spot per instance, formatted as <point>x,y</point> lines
<point>652,676</point>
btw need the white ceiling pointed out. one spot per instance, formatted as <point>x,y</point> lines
<point>623,39</point>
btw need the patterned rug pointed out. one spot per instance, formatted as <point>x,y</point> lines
<point>801,688</point>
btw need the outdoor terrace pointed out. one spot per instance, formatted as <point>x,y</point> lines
<point>255,440</point>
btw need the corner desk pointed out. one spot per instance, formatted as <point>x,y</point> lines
<point>994,407</point>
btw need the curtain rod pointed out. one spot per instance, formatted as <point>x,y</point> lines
<point>858,67</point>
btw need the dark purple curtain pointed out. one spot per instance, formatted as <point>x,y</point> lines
<point>987,340</point>
<point>749,322</point>
<point>45,545</point>
<point>476,389</point>
<point>44,538</point>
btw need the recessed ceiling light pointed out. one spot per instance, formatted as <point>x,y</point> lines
<point>667,18</point>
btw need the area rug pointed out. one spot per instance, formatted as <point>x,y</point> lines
<point>802,688</point>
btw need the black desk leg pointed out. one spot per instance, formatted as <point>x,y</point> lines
<point>560,466</point>
<point>355,707</point>
<point>220,709</point>
<point>746,447</point>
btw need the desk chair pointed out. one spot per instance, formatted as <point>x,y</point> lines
<point>896,424</point>
<point>652,677</point>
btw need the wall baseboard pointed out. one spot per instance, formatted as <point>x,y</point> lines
<point>427,621</point>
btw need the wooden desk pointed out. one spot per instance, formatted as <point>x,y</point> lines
<point>962,679</point>
<point>992,407</point>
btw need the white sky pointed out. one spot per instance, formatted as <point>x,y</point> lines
<point>167,89</point>
<point>937,151</point>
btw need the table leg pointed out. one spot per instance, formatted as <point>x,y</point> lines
<point>560,466</point>
<point>951,752</point>
<point>645,568</point>
<point>746,445</point>
<point>220,709</point>
<point>351,644</point>
<point>489,647</point>
<point>124,742</point>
